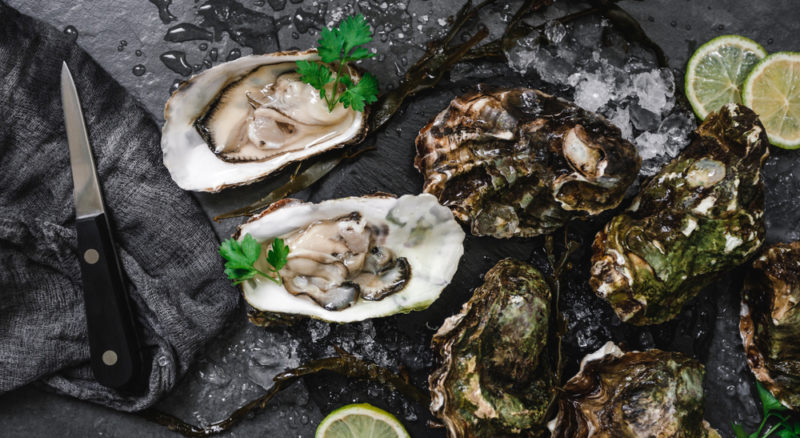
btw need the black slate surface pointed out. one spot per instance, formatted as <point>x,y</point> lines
<point>677,26</point>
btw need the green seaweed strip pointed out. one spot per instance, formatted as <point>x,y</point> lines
<point>345,364</point>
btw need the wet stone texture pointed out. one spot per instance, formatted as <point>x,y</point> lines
<point>149,46</point>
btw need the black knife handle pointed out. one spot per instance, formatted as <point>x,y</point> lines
<point>115,354</point>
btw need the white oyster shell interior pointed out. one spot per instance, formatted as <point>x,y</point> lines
<point>419,229</point>
<point>195,166</point>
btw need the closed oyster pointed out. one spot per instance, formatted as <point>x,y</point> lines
<point>520,162</point>
<point>654,393</point>
<point>770,321</point>
<point>701,215</point>
<point>355,258</point>
<point>242,120</point>
<point>494,377</point>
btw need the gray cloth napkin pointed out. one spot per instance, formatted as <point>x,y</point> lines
<point>166,245</point>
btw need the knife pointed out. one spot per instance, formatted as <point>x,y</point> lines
<point>114,349</point>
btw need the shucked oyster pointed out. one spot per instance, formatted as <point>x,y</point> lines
<point>520,162</point>
<point>240,121</point>
<point>701,215</point>
<point>770,323</point>
<point>355,258</point>
<point>652,393</point>
<point>495,378</point>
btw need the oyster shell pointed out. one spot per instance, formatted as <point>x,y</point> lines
<point>701,215</point>
<point>495,377</point>
<point>240,121</point>
<point>355,258</point>
<point>770,321</point>
<point>519,162</point>
<point>652,393</point>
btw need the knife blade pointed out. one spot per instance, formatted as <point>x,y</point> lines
<point>115,355</point>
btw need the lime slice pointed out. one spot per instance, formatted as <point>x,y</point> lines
<point>360,421</point>
<point>717,70</point>
<point>772,90</point>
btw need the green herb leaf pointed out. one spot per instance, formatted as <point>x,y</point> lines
<point>277,255</point>
<point>331,44</point>
<point>355,31</point>
<point>786,433</point>
<point>364,92</point>
<point>314,74</point>
<point>768,402</point>
<point>337,47</point>
<point>739,431</point>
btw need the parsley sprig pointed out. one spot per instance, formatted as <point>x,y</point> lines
<point>241,258</point>
<point>338,47</point>
<point>786,427</point>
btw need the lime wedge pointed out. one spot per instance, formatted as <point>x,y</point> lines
<point>772,90</point>
<point>360,421</point>
<point>717,70</point>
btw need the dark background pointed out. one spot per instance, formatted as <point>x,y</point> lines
<point>707,330</point>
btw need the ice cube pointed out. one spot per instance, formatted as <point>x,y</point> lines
<point>592,92</point>
<point>554,31</point>
<point>655,90</point>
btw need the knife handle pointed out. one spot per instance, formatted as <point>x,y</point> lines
<point>113,345</point>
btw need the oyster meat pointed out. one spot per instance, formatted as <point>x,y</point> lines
<point>652,393</point>
<point>770,321</point>
<point>240,121</point>
<point>701,215</point>
<point>355,258</point>
<point>519,162</point>
<point>495,377</point>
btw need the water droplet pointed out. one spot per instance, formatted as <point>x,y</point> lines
<point>175,85</point>
<point>71,32</point>
<point>770,41</point>
<point>207,63</point>
<point>162,360</point>
<point>259,3</point>
<point>123,43</point>
<point>651,18</point>
<point>138,70</point>
<point>721,27</point>
<point>203,46</point>
<point>403,60</point>
<point>197,67</point>
<point>212,54</point>
<point>233,54</point>
<point>673,23</point>
<point>187,32</point>
<point>688,27</point>
<point>295,35</point>
<point>175,60</point>
<point>138,52</point>
<point>277,5</point>
<point>163,10</point>
<point>120,48</point>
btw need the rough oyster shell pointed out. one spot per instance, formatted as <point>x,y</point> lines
<point>770,321</point>
<point>701,215</point>
<point>495,378</point>
<point>196,165</point>
<point>519,162</point>
<point>652,393</point>
<point>416,228</point>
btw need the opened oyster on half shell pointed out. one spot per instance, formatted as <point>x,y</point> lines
<point>355,258</point>
<point>240,121</point>
<point>700,216</point>
<point>495,378</point>
<point>654,393</point>
<point>519,162</point>
<point>770,321</point>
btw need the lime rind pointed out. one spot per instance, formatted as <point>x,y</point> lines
<point>748,97</point>
<point>362,413</point>
<point>733,56</point>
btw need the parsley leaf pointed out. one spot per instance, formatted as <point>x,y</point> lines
<point>365,91</point>
<point>240,258</point>
<point>314,74</point>
<point>337,47</point>
<point>786,426</point>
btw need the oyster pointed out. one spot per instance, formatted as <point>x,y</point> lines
<point>355,258</point>
<point>652,393</point>
<point>495,378</point>
<point>240,121</point>
<point>770,322</point>
<point>519,162</point>
<point>701,215</point>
